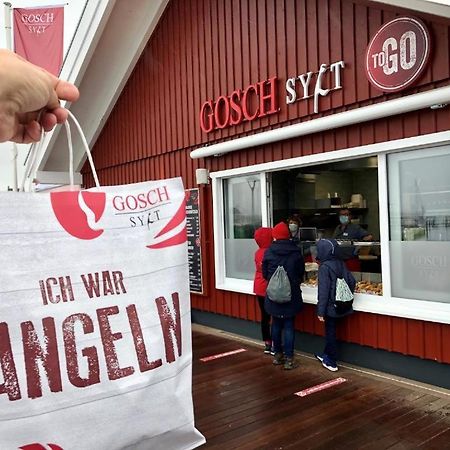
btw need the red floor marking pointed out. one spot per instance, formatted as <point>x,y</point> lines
<point>320,387</point>
<point>222,355</point>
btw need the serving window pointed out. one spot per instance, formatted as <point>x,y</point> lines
<point>316,194</point>
<point>401,197</point>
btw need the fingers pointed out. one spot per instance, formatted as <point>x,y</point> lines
<point>62,91</point>
<point>32,97</point>
<point>28,133</point>
<point>59,90</point>
<point>66,91</point>
<point>61,114</point>
<point>28,127</point>
<point>32,132</point>
<point>54,113</point>
<point>49,120</point>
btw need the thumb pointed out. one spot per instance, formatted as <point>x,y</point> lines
<point>61,90</point>
<point>66,91</point>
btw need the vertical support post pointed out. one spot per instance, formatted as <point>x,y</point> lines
<point>15,153</point>
<point>8,27</point>
<point>8,36</point>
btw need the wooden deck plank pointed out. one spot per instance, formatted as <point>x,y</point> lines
<point>303,422</point>
<point>370,431</point>
<point>439,441</point>
<point>243,402</point>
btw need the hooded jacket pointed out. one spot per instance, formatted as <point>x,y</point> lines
<point>263,237</point>
<point>330,268</point>
<point>285,253</point>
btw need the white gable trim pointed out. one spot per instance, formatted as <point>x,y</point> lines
<point>103,72</point>
<point>435,7</point>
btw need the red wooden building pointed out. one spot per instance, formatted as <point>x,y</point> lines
<point>290,110</point>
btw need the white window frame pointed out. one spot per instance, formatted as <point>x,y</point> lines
<point>222,281</point>
<point>386,304</point>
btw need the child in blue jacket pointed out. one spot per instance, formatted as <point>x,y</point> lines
<point>330,268</point>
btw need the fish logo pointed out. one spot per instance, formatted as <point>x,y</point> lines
<point>78,212</point>
<point>36,446</point>
<point>174,233</point>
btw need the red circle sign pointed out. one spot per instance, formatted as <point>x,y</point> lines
<point>397,54</point>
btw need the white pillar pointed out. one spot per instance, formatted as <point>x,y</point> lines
<point>8,36</point>
<point>8,28</point>
<point>15,153</point>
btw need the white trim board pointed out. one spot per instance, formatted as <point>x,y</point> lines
<point>374,304</point>
<point>412,143</point>
<point>123,31</point>
<point>436,7</point>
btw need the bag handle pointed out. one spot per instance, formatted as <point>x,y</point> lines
<point>86,149</point>
<point>69,143</point>
<point>36,147</point>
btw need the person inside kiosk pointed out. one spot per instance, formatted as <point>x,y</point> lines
<point>348,232</point>
<point>294,223</point>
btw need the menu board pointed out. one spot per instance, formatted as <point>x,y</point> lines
<point>193,239</point>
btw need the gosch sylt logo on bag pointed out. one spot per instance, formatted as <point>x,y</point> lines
<point>174,233</point>
<point>78,212</point>
<point>36,446</point>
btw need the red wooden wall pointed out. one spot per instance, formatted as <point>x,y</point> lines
<point>206,48</point>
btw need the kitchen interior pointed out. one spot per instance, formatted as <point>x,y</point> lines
<point>316,194</point>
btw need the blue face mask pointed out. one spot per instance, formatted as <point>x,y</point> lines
<point>293,227</point>
<point>344,220</point>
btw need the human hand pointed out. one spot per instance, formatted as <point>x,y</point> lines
<point>29,99</point>
<point>321,319</point>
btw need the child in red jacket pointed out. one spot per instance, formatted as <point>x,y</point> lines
<point>263,237</point>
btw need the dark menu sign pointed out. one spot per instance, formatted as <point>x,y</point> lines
<point>193,239</point>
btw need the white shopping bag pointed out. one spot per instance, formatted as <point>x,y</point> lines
<point>95,337</point>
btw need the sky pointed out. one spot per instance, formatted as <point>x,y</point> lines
<point>72,13</point>
<point>442,2</point>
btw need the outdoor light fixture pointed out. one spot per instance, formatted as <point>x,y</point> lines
<point>202,176</point>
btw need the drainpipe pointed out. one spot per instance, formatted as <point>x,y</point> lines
<point>434,98</point>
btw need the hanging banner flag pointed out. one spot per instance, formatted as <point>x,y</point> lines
<point>39,35</point>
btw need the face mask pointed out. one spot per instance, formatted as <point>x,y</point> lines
<point>293,227</point>
<point>343,220</point>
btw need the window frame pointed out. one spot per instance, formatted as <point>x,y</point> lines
<point>222,281</point>
<point>385,304</point>
<point>435,150</point>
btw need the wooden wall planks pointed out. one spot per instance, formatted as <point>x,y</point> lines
<point>205,48</point>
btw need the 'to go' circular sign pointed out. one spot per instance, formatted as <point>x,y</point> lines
<point>397,54</point>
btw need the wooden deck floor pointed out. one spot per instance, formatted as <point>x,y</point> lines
<point>244,402</point>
